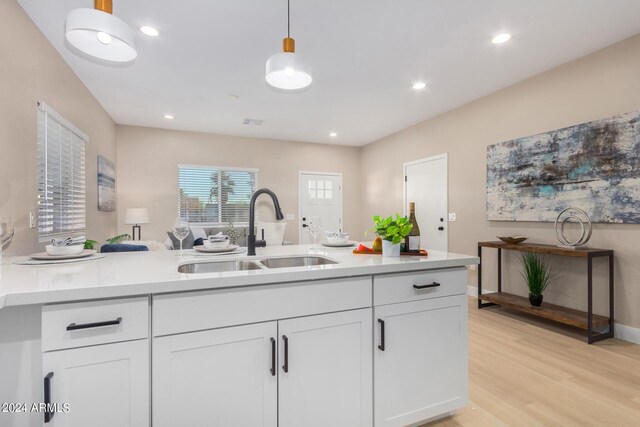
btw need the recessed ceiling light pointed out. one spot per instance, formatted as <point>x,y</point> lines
<point>501,38</point>
<point>149,31</point>
<point>253,122</point>
<point>419,85</point>
<point>333,134</point>
<point>169,116</point>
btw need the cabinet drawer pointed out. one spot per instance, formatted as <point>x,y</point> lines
<point>390,289</point>
<point>194,311</point>
<point>94,322</point>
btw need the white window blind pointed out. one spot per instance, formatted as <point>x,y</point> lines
<point>61,175</point>
<point>214,195</point>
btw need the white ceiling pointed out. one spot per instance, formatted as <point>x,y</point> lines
<point>365,55</point>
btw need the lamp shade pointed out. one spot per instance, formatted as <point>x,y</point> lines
<point>136,216</point>
<point>289,71</point>
<point>101,35</point>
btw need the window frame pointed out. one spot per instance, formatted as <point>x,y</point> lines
<point>53,114</point>
<point>255,171</point>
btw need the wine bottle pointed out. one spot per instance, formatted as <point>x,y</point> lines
<point>412,241</point>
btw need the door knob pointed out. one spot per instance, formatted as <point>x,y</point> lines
<point>441,228</point>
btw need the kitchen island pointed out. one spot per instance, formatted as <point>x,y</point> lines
<point>295,336</point>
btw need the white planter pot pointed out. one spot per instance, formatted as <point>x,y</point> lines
<point>389,249</point>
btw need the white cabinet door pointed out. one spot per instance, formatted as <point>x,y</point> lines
<point>104,386</point>
<point>325,370</point>
<point>220,377</point>
<point>421,364</point>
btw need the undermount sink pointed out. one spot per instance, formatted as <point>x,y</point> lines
<point>219,266</point>
<point>245,265</point>
<point>296,261</point>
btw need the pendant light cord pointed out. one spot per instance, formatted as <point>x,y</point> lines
<point>288,20</point>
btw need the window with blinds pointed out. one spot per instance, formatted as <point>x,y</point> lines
<point>214,196</point>
<point>61,175</point>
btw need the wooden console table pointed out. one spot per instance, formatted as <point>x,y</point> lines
<point>586,321</point>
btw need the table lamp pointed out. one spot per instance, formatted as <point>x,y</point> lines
<point>135,217</point>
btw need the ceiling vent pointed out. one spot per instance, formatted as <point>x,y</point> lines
<point>253,122</point>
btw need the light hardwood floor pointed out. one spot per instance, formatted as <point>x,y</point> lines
<point>529,372</point>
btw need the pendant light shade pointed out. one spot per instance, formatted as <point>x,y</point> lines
<point>98,33</point>
<point>288,70</point>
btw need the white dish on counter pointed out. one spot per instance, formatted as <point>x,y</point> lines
<point>215,250</point>
<point>346,244</point>
<point>46,257</point>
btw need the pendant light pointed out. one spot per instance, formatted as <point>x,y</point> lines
<point>98,33</point>
<point>287,70</point>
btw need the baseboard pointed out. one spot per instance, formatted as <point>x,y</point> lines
<point>620,331</point>
<point>626,333</point>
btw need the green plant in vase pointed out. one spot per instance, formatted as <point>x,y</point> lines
<point>392,231</point>
<point>537,274</point>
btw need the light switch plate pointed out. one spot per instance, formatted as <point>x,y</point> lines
<point>452,217</point>
<point>291,217</point>
<point>32,219</point>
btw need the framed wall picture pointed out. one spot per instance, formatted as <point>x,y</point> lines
<point>592,166</point>
<point>106,185</point>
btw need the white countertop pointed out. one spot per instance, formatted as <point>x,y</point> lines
<point>139,273</point>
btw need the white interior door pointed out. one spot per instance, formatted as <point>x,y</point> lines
<point>426,184</point>
<point>320,195</point>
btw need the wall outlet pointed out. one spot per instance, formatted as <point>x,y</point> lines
<point>452,217</point>
<point>32,219</point>
<point>472,267</point>
<point>291,217</point>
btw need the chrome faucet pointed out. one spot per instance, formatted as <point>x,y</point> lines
<point>252,243</point>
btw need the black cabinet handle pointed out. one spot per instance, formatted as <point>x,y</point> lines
<point>285,367</point>
<point>74,327</point>
<point>48,415</point>
<point>381,346</point>
<point>432,285</point>
<point>273,357</point>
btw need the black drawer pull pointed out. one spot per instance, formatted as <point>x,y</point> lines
<point>432,285</point>
<point>381,346</point>
<point>48,415</point>
<point>273,357</point>
<point>285,367</point>
<point>74,327</point>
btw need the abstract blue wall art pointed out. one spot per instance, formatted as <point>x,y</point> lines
<point>106,185</point>
<point>594,166</point>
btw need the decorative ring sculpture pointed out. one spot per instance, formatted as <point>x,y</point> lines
<point>575,215</point>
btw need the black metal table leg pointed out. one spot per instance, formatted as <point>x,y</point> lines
<point>611,297</point>
<point>480,303</point>
<point>499,270</point>
<point>479,276</point>
<point>590,299</point>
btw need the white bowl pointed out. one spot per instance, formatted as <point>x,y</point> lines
<point>216,245</point>
<point>64,250</point>
<point>337,239</point>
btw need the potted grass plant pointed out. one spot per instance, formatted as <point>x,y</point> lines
<point>392,232</point>
<point>537,274</point>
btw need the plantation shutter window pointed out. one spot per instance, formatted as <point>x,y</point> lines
<point>61,175</point>
<point>214,195</point>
